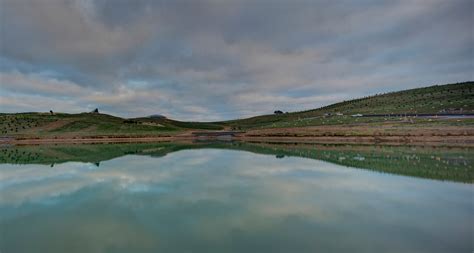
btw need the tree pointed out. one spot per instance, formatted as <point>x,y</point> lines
<point>278,112</point>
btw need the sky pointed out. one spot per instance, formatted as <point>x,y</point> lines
<point>207,60</point>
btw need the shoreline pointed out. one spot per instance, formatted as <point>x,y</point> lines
<point>466,141</point>
<point>385,134</point>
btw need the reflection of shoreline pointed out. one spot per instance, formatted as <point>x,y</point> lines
<point>457,141</point>
<point>435,162</point>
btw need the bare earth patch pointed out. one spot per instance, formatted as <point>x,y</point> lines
<point>440,135</point>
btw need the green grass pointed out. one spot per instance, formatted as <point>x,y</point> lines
<point>197,125</point>
<point>181,124</point>
<point>91,124</point>
<point>16,123</point>
<point>422,100</point>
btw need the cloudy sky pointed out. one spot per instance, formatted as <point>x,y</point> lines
<point>215,59</point>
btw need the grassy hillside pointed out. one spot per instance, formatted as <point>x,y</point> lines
<point>423,100</point>
<point>90,124</point>
<point>432,99</point>
<point>178,124</point>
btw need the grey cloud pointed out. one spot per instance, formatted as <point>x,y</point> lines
<point>35,84</point>
<point>210,54</point>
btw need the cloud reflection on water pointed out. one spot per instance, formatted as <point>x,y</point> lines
<point>216,200</point>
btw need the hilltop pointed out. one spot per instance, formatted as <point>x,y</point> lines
<point>92,124</point>
<point>374,115</point>
<point>454,98</point>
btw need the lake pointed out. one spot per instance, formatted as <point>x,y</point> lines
<point>235,197</point>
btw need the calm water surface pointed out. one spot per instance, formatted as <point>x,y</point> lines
<point>217,200</point>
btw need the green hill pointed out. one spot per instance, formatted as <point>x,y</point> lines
<point>455,98</point>
<point>91,124</point>
<point>435,99</point>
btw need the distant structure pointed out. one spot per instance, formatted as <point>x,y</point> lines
<point>157,116</point>
<point>278,112</point>
<point>96,110</point>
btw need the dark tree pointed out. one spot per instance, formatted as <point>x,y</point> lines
<point>51,111</point>
<point>278,112</point>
